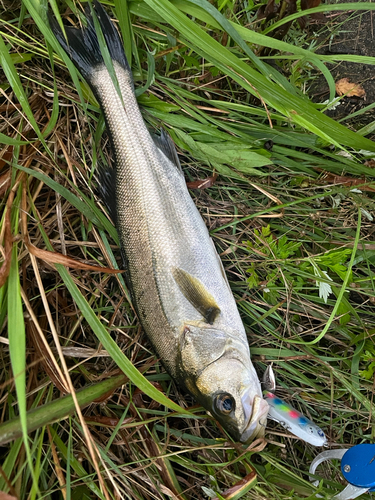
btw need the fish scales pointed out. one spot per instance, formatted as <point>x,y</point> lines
<point>177,280</point>
<point>159,225</point>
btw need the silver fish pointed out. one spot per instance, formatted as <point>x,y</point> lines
<point>177,280</point>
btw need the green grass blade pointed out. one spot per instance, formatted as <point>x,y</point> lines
<point>8,464</point>
<point>12,76</point>
<point>76,466</point>
<point>58,409</point>
<point>55,109</point>
<point>150,75</point>
<point>227,26</point>
<point>122,11</point>
<point>112,348</point>
<point>17,349</point>
<point>293,107</point>
<point>322,8</point>
<point>342,290</point>
<point>38,12</point>
<point>4,139</point>
<point>92,212</point>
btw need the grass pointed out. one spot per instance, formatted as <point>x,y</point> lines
<point>290,212</point>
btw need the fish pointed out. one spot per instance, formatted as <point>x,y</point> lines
<point>287,416</point>
<point>177,281</point>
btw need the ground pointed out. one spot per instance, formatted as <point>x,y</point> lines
<point>348,33</point>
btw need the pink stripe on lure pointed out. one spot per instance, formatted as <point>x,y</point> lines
<point>293,420</point>
<point>282,406</point>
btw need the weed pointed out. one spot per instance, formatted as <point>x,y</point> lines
<point>294,235</point>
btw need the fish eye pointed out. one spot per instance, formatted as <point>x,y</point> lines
<point>310,429</point>
<point>225,403</point>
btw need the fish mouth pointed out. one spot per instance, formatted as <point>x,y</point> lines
<point>257,425</point>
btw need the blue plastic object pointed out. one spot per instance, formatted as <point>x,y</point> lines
<point>358,466</point>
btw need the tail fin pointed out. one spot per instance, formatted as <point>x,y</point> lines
<point>82,45</point>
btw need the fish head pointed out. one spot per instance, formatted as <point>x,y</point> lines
<point>232,392</point>
<point>219,373</point>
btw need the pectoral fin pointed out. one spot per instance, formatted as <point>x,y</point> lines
<point>197,294</point>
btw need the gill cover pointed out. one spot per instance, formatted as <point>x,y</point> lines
<point>200,346</point>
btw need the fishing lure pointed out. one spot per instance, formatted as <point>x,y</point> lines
<point>287,416</point>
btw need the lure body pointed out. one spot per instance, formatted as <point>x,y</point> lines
<point>291,419</point>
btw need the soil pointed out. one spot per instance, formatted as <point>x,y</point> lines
<point>347,33</point>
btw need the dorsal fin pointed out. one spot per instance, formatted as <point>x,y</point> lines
<point>197,294</point>
<point>166,145</point>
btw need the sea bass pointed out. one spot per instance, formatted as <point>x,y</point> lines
<point>177,281</point>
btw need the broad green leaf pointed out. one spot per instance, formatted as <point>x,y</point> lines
<point>150,100</point>
<point>21,57</point>
<point>243,160</point>
<point>231,154</point>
